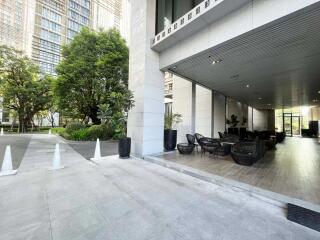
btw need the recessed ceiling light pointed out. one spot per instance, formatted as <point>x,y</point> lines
<point>260,98</point>
<point>315,100</point>
<point>235,76</point>
<point>269,104</point>
<point>319,91</point>
<point>174,67</point>
<point>216,61</point>
<point>248,85</point>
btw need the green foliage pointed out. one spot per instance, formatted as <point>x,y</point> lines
<point>93,76</point>
<point>74,126</point>
<point>58,130</point>
<point>79,132</point>
<point>233,122</point>
<point>244,121</point>
<point>104,113</point>
<point>171,120</point>
<point>23,89</point>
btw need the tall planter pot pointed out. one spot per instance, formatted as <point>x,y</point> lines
<point>124,147</point>
<point>170,139</point>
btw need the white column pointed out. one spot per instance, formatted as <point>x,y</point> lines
<point>193,108</point>
<point>203,111</point>
<point>219,113</point>
<point>183,102</point>
<point>146,119</point>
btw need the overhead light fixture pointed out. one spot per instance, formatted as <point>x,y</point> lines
<point>216,61</point>
<point>319,91</point>
<point>269,104</point>
<point>174,67</point>
<point>235,76</point>
<point>260,98</point>
<point>248,85</point>
<point>315,100</point>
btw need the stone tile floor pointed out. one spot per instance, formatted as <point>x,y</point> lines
<point>128,199</point>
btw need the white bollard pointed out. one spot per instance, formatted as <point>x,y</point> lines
<point>97,152</point>
<point>56,163</point>
<point>7,168</point>
<point>50,132</point>
<point>2,133</point>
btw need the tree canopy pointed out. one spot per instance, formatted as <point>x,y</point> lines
<point>23,90</point>
<point>93,73</point>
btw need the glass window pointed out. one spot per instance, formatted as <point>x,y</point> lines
<point>168,11</point>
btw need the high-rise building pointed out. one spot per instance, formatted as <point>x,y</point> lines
<point>41,27</point>
<point>56,23</point>
<point>16,24</point>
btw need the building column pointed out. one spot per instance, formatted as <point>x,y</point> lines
<point>193,108</point>
<point>146,81</point>
<point>219,113</point>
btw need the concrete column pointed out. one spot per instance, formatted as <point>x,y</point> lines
<point>219,113</point>
<point>183,98</point>
<point>146,119</point>
<point>203,111</point>
<point>193,108</point>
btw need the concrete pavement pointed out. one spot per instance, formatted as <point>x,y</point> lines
<point>128,199</point>
<point>86,148</point>
<point>18,143</point>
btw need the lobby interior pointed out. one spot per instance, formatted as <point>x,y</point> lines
<point>269,76</point>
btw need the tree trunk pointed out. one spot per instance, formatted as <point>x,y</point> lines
<point>94,116</point>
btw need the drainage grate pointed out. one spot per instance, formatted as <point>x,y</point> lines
<point>303,216</point>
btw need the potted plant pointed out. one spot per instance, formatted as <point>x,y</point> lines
<point>170,134</point>
<point>232,122</point>
<point>116,116</point>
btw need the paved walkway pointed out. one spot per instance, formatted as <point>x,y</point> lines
<point>18,143</point>
<point>128,199</point>
<point>86,148</point>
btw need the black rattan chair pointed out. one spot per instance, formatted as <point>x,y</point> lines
<point>246,153</point>
<point>192,140</point>
<point>185,148</point>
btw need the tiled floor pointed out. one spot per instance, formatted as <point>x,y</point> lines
<point>293,169</point>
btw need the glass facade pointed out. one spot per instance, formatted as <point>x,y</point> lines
<point>57,23</point>
<point>168,11</point>
<point>292,120</point>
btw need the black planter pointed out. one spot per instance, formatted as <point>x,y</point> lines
<point>170,139</point>
<point>124,147</point>
<point>233,131</point>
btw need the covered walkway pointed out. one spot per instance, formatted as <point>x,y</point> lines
<point>293,169</point>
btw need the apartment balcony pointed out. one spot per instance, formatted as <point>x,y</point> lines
<point>203,14</point>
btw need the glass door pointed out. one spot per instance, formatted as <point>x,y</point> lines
<point>291,124</point>
<point>295,124</point>
<point>287,117</point>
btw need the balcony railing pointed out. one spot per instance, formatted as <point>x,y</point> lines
<point>185,20</point>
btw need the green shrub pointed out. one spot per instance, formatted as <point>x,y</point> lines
<point>103,132</point>
<point>79,135</point>
<point>58,130</point>
<point>72,127</point>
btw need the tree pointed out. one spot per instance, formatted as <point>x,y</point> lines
<point>93,73</point>
<point>22,88</point>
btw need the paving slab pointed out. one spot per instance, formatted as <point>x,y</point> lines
<point>128,199</point>
<point>18,143</point>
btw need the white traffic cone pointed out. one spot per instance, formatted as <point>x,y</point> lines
<point>2,133</point>
<point>50,132</point>
<point>56,163</point>
<point>7,168</point>
<point>97,152</point>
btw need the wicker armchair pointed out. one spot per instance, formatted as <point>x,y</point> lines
<point>192,140</point>
<point>245,153</point>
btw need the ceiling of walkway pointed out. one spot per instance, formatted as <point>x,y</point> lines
<point>276,66</point>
